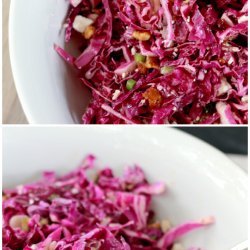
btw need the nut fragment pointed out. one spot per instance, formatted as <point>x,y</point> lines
<point>105,221</point>
<point>129,186</point>
<point>167,70</point>
<point>53,196</point>
<point>152,62</point>
<point>165,225</point>
<point>141,35</point>
<point>44,221</point>
<point>244,99</point>
<point>222,61</point>
<point>89,32</point>
<point>153,96</point>
<point>155,225</point>
<point>51,246</point>
<point>142,68</point>
<point>19,222</point>
<point>81,23</point>
<point>177,246</point>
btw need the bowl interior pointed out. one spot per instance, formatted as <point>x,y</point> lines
<point>201,181</point>
<point>49,90</point>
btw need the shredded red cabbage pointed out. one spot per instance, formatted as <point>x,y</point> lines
<point>75,212</point>
<point>187,60</point>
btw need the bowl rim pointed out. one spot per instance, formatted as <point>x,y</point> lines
<point>159,133</point>
<point>213,148</point>
<point>14,66</point>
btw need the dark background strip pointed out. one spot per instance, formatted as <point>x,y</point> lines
<point>228,139</point>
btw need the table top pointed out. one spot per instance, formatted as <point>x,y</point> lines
<point>12,110</point>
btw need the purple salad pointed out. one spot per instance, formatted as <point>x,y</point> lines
<point>160,61</point>
<point>76,212</point>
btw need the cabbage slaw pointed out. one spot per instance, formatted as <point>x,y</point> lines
<point>187,60</point>
<point>76,212</point>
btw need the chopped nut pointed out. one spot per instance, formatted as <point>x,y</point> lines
<point>244,98</point>
<point>105,221</point>
<point>142,68</point>
<point>53,196</point>
<point>89,32</point>
<point>95,178</point>
<point>74,191</point>
<point>19,222</point>
<point>224,87</point>
<point>51,246</point>
<point>155,225</point>
<point>81,23</point>
<point>141,35</point>
<point>165,225</point>
<point>222,61</point>
<point>153,97</point>
<point>129,186</point>
<point>44,221</point>
<point>152,62</point>
<point>167,70</point>
<point>177,246</point>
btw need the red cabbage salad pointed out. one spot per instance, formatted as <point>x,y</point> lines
<point>161,61</point>
<point>74,212</point>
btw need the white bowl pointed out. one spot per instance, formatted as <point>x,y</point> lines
<point>48,89</point>
<point>201,180</point>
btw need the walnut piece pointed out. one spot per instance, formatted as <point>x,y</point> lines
<point>152,62</point>
<point>165,225</point>
<point>153,96</point>
<point>142,68</point>
<point>155,225</point>
<point>141,35</point>
<point>19,221</point>
<point>89,32</point>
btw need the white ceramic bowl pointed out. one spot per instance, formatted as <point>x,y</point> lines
<point>201,180</point>
<point>48,89</point>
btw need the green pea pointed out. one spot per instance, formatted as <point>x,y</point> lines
<point>139,58</point>
<point>130,84</point>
